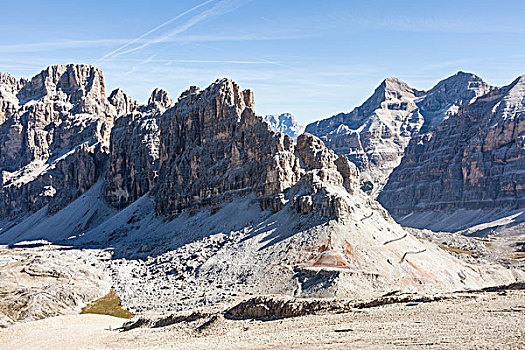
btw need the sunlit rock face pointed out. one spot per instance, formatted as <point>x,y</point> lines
<point>55,136</point>
<point>375,134</point>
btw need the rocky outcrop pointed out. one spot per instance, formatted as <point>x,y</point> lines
<point>53,146</point>
<point>122,102</point>
<point>74,88</point>
<point>134,151</point>
<point>159,100</point>
<point>285,123</point>
<point>472,160</point>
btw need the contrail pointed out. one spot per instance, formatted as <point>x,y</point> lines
<point>218,9</point>
<point>131,42</point>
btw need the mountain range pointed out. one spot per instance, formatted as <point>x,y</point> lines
<point>457,146</point>
<point>200,200</point>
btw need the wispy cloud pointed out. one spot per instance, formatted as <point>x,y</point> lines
<point>160,26</point>
<point>151,60</point>
<point>430,24</point>
<point>219,8</point>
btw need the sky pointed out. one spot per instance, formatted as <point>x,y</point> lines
<point>310,58</point>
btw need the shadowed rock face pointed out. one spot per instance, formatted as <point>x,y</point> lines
<point>134,151</point>
<point>473,160</point>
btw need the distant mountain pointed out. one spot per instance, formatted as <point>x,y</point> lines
<point>375,134</point>
<point>285,123</point>
<point>455,146</point>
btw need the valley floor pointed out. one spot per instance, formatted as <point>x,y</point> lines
<point>479,320</point>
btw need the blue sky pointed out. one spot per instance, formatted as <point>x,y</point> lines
<point>310,58</point>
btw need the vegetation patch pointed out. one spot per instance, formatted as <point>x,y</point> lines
<point>107,305</point>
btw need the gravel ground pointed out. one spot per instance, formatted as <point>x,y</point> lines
<point>480,321</point>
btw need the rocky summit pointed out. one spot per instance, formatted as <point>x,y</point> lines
<point>200,202</point>
<point>375,134</point>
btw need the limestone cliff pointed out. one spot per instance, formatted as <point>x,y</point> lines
<point>472,160</point>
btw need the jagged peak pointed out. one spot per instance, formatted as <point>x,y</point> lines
<point>123,103</point>
<point>394,82</point>
<point>390,88</point>
<point>6,78</point>
<point>222,88</point>
<point>116,92</point>
<point>281,117</point>
<point>285,123</point>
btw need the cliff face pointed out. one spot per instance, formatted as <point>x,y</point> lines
<point>55,138</point>
<point>472,160</point>
<point>213,147</point>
